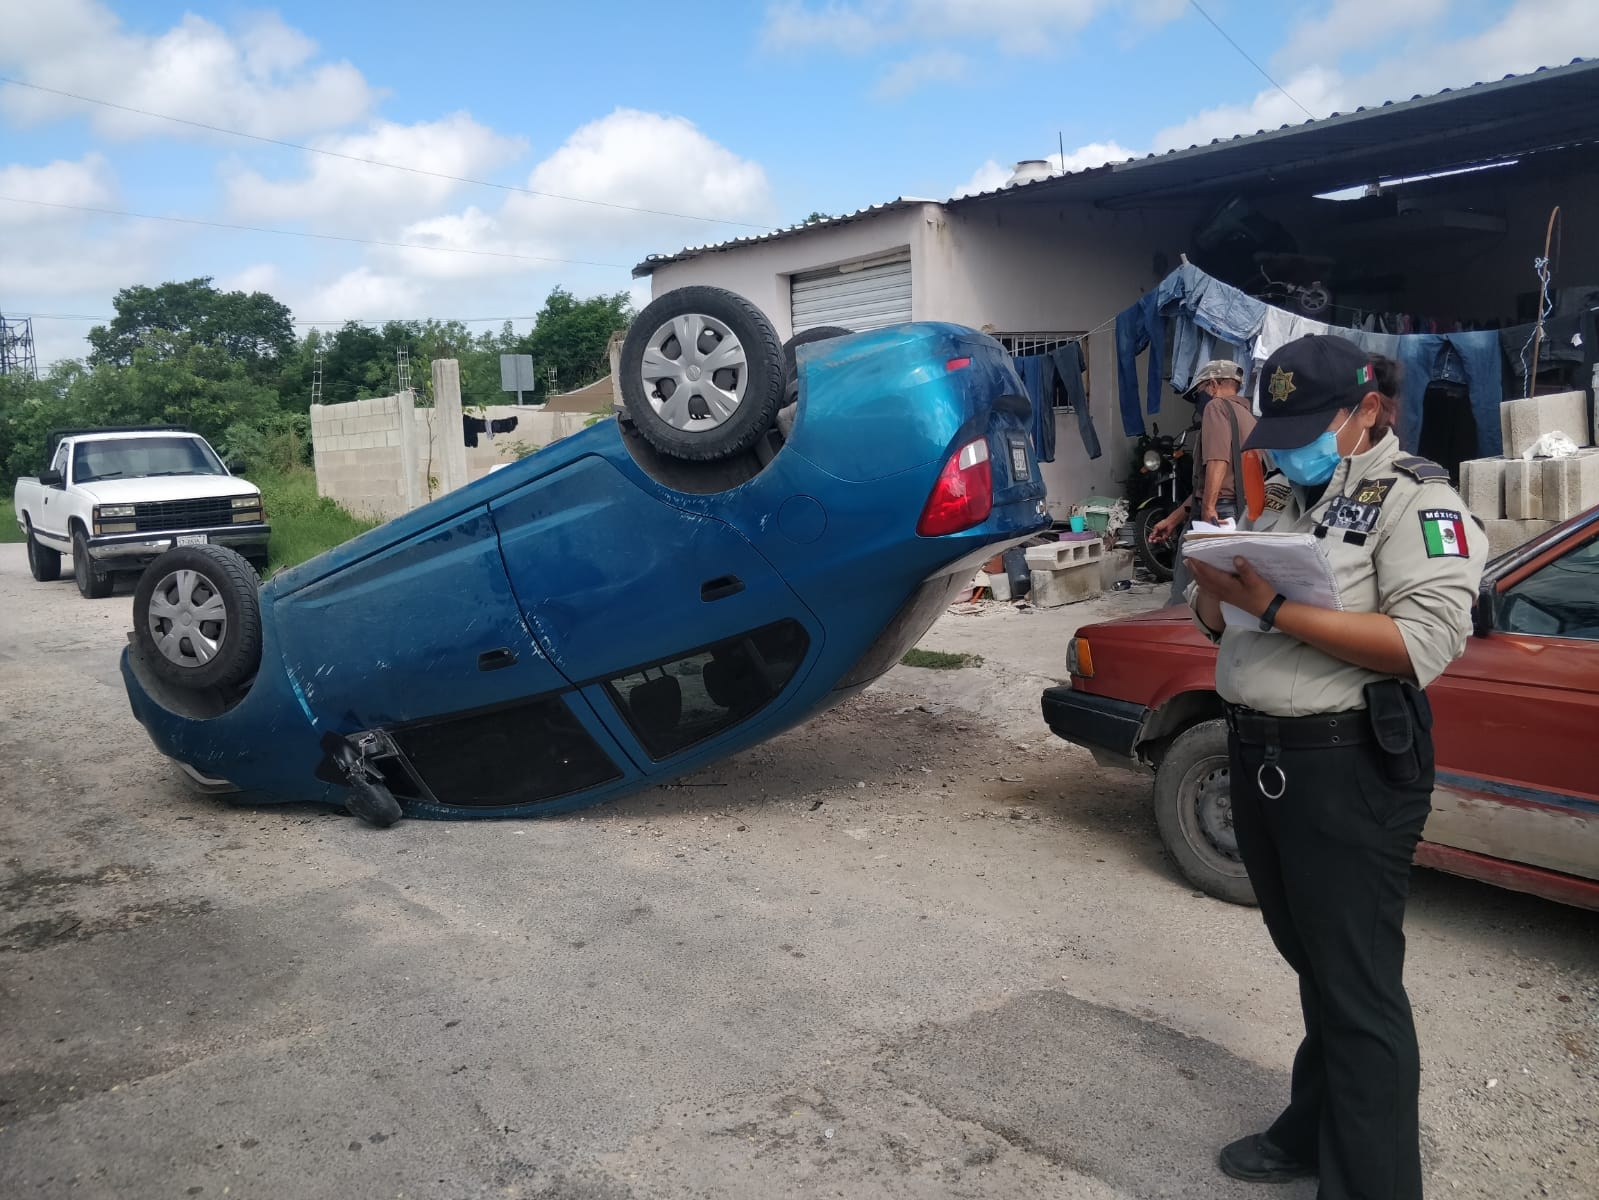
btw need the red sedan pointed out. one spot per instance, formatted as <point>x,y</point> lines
<point>1517,729</point>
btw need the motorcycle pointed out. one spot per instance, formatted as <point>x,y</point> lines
<point>1163,479</point>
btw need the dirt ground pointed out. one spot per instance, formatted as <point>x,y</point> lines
<point>916,948</point>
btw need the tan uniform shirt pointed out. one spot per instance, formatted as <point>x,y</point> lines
<point>1216,442</point>
<point>1398,545</point>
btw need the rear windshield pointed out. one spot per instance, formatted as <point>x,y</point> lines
<point>138,458</point>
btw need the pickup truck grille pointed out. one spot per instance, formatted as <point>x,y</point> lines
<point>158,516</point>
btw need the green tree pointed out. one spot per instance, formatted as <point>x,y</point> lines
<point>251,328</point>
<point>815,217</point>
<point>570,335</point>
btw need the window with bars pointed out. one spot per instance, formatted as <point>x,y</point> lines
<point>1020,345</point>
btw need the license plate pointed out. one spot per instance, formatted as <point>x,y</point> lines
<point>1018,462</point>
<point>192,539</point>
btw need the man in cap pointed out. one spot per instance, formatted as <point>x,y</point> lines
<point>1225,420</point>
<point>1331,752</point>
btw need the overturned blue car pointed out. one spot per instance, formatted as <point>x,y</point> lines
<point>762,531</point>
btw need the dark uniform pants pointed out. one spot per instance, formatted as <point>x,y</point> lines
<point>1330,863</point>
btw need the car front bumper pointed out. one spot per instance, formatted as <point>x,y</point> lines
<point>1111,729</point>
<point>124,551</point>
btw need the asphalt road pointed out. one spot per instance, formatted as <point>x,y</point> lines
<point>915,949</point>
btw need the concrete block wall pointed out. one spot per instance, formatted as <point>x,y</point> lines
<point>1523,422</point>
<point>359,452</point>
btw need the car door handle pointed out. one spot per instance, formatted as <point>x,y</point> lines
<point>493,660</point>
<point>721,588</point>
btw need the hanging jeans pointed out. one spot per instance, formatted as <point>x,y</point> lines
<point>1469,358</point>
<point>1138,328</point>
<point>1038,377</point>
<point>1209,313</point>
<point>1069,365</point>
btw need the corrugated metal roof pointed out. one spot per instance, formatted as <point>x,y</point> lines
<point>1458,127</point>
<point>777,235</point>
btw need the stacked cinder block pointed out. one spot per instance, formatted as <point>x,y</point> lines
<point>1518,498</point>
<point>1066,571</point>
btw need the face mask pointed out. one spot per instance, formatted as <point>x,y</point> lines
<point>1311,465</point>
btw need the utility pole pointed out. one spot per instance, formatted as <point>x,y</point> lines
<point>316,376</point>
<point>16,348</point>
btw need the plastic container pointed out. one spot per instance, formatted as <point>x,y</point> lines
<point>1079,523</point>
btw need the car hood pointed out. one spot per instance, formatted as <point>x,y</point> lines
<point>166,487</point>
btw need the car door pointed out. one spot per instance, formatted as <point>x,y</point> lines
<point>53,500</point>
<point>1517,717</point>
<point>676,627</point>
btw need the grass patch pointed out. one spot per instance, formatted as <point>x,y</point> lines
<point>939,660</point>
<point>304,524</point>
<point>10,531</point>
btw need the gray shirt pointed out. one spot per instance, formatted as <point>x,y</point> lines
<point>1400,543</point>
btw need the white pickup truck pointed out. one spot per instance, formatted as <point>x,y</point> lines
<point>114,499</point>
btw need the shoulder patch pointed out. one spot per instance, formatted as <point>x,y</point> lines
<point>1278,494</point>
<point>1422,470</point>
<point>1444,533</point>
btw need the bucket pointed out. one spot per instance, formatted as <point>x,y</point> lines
<point>1079,523</point>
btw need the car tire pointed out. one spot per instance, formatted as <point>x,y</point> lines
<point>43,563</point>
<point>721,394</point>
<point>215,588</point>
<point>820,333</point>
<point>93,583</point>
<point>1159,558</point>
<point>1193,809</point>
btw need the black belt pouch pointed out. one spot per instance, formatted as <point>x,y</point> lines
<point>1393,725</point>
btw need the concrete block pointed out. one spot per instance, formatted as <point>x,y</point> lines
<point>1114,566</point>
<point>1570,485</point>
<point>1524,489</point>
<point>1505,536</point>
<point>1071,550</point>
<point>1065,585</point>
<point>1482,487</point>
<point>1523,422</point>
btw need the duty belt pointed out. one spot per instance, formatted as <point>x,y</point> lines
<point>1324,731</point>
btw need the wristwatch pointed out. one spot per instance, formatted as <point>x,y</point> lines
<point>1269,617</point>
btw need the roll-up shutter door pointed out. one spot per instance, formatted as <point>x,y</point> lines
<point>856,297</point>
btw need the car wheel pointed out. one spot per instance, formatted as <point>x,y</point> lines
<point>43,562</point>
<point>1194,810</point>
<point>197,618</point>
<point>93,583</point>
<point>1159,558</point>
<point>820,333</point>
<point>702,373</point>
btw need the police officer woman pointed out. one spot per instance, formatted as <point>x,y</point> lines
<point>1331,754</point>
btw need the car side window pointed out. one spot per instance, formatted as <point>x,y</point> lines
<point>1558,600</point>
<point>675,704</point>
<point>60,461</point>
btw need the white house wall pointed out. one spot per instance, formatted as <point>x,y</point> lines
<point>1015,270</point>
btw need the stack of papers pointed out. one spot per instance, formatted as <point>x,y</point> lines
<point>1291,562</point>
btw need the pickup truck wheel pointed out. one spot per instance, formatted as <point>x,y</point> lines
<point>1194,810</point>
<point>93,583</point>
<point>43,562</point>
<point>702,374</point>
<point>197,618</point>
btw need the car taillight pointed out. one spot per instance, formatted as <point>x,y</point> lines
<point>1080,659</point>
<point>963,495</point>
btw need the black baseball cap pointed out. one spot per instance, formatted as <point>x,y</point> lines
<point>1303,384</point>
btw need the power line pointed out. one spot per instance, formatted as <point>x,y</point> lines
<point>323,237</point>
<point>375,162</point>
<point>1250,60</point>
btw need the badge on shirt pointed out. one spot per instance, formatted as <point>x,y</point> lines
<point>1374,491</point>
<point>1278,494</point>
<point>1344,512</point>
<point>1444,532</point>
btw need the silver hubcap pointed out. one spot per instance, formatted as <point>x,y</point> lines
<point>694,372</point>
<point>1213,808</point>
<point>188,619</point>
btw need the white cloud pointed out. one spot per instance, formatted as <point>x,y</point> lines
<point>1017,26</point>
<point>335,192</point>
<point>1531,34</point>
<point>1356,25</point>
<point>992,175</point>
<point>261,80</point>
<point>361,295</point>
<point>257,277</point>
<point>936,66</point>
<point>89,182</point>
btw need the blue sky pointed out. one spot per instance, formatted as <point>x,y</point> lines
<point>748,115</point>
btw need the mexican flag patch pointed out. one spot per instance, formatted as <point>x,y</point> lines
<point>1444,532</point>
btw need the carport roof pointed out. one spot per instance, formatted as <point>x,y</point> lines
<point>1485,123</point>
